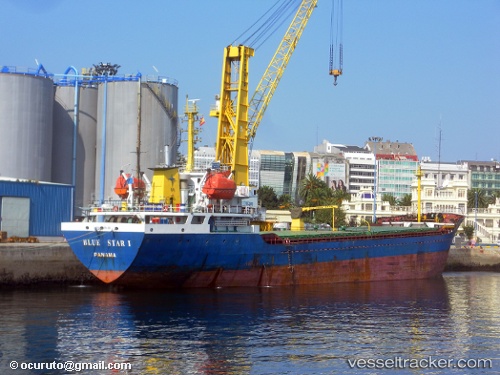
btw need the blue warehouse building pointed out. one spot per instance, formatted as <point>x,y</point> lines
<point>29,208</point>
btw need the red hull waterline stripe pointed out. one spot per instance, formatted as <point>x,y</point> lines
<point>402,267</point>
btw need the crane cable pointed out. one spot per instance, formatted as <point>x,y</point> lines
<point>336,61</point>
<point>281,13</point>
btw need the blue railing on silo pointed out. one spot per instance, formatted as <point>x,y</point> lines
<point>39,71</point>
<point>90,80</point>
<point>161,79</point>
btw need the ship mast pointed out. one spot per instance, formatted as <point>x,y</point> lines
<point>138,144</point>
<point>191,112</point>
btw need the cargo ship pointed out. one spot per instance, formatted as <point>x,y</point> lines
<point>215,239</point>
<point>203,229</point>
<point>194,228</point>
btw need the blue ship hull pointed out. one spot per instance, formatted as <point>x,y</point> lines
<point>140,259</point>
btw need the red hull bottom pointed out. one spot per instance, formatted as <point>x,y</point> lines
<point>107,276</point>
<point>415,266</point>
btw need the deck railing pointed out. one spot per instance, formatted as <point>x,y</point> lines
<point>120,206</point>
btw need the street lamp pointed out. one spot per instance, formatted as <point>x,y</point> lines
<point>475,212</point>
<point>375,140</point>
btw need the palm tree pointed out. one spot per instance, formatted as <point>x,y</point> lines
<point>494,196</point>
<point>313,191</point>
<point>482,199</point>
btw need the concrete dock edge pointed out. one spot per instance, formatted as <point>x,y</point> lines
<point>40,263</point>
<point>474,258</point>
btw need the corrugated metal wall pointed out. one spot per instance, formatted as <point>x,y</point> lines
<point>50,204</point>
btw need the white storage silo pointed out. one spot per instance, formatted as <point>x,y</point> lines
<point>63,139</point>
<point>134,119</point>
<point>26,101</point>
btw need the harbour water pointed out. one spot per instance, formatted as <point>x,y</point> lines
<point>445,326</point>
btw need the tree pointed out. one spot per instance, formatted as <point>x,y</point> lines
<point>325,216</point>
<point>494,196</point>
<point>313,191</point>
<point>389,198</point>
<point>285,201</point>
<point>469,231</point>
<point>482,199</point>
<point>338,196</point>
<point>405,200</point>
<point>268,197</point>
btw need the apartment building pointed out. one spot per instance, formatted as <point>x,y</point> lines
<point>484,175</point>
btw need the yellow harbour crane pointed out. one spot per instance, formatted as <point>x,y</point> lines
<point>239,117</point>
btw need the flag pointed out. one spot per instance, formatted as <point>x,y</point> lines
<point>202,120</point>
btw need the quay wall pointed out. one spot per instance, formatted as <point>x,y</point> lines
<point>474,258</point>
<point>41,263</point>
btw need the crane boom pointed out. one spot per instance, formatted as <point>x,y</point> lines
<point>238,119</point>
<point>269,81</point>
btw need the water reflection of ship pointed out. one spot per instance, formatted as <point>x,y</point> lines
<point>217,331</point>
<point>98,327</point>
<point>208,331</point>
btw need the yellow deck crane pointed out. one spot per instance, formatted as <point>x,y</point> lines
<point>239,117</point>
<point>297,220</point>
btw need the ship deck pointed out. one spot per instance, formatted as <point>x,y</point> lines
<point>351,230</point>
<point>288,236</point>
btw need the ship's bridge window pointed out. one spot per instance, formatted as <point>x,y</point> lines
<point>197,219</point>
<point>179,219</point>
<point>123,219</point>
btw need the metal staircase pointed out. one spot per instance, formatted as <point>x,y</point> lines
<point>166,105</point>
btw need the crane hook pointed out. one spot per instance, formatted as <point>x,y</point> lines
<point>335,73</point>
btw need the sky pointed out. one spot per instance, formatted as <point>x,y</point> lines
<point>424,72</point>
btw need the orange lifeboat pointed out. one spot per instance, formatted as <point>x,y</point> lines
<point>219,186</point>
<point>121,186</point>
